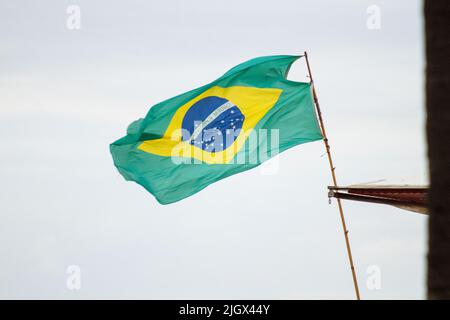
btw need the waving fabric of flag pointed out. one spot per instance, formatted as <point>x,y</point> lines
<point>230,125</point>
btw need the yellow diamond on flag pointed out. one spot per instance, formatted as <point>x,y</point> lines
<point>230,112</point>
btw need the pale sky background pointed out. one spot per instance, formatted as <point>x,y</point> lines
<point>65,95</point>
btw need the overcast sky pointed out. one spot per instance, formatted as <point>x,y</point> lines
<point>66,94</point>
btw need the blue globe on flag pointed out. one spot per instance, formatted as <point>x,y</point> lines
<point>213,124</point>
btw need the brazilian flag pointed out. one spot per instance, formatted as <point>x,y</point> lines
<point>230,125</point>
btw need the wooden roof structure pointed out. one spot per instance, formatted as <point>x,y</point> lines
<point>407,197</point>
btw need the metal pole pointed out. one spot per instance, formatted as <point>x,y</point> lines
<point>332,168</point>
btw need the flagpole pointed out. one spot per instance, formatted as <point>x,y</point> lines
<point>332,168</point>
